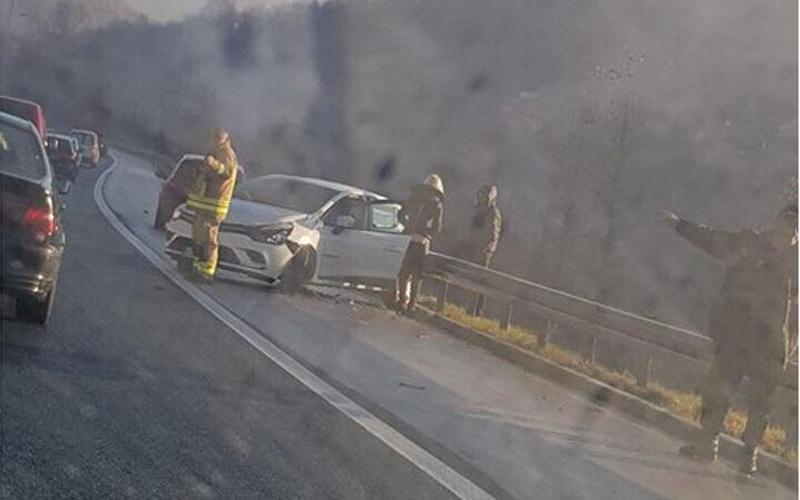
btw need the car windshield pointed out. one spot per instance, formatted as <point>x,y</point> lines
<point>86,139</point>
<point>63,145</point>
<point>297,196</point>
<point>20,152</point>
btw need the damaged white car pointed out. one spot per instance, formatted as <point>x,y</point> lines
<point>288,231</point>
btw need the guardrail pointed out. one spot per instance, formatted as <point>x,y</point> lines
<point>584,317</point>
<point>589,319</point>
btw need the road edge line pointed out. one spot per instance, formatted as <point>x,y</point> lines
<point>442,473</point>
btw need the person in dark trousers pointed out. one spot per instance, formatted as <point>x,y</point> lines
<point>752,325</point>
<point>422,217</point>
<point>487,223</point>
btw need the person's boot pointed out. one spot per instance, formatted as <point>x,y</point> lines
<point>703,450</point>
<point>749,465</point>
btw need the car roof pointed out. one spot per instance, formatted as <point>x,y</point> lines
<point>335,186</point>
<point>83,131</point>
<point>20,101</point>
<point>59,135</point>
<point>197,157</point>
<point>192,157</point>
<point>16,121</point>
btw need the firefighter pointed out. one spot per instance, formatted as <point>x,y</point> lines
<point>210,198</point>
<point>753,324</point>
<point>422,217</point>
<point>485,231</point>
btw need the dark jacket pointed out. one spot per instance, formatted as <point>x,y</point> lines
<point>748,321</point>
<point>487,223</point>
<point>422,212</point>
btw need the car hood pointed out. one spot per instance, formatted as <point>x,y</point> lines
<point>248,213</point>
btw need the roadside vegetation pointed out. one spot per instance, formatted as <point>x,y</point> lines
<point>684,404</point>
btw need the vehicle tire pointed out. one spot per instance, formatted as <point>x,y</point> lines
<point>37,310</point>
<point>298,271</point>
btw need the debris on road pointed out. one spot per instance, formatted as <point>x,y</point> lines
<point>411,386</point>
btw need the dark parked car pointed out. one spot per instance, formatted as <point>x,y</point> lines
<point>64,156</point>
<point>26,110</point>
<point>31,237</point>
<point>176,187</point>
<point>90,146</point>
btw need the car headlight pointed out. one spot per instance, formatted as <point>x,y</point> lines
<point>272,235</point>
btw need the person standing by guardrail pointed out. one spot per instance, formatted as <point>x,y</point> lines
<point>487,223</point>
<point>749,325</point>
<point>209,198</point>
<point>421,215</point>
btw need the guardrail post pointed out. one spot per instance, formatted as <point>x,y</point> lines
<point>543,339</point>
<point>506,322</point>
<point>645,371</point>
<point>593,350</point>
<point>441,298</point>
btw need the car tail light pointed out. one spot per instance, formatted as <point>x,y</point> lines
<point>40,222</point>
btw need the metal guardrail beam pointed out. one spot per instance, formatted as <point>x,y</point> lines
<point>582,315</point>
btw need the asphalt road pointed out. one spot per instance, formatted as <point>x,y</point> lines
<point>135,390</point>
<point>138,390</point>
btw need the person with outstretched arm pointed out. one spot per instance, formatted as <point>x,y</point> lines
<point>753,324</point>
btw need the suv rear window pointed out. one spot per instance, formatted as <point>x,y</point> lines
<point>20,152</point>
<point>86,139</point>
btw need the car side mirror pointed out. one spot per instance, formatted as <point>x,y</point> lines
<point>161,173</point>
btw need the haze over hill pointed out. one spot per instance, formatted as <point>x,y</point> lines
<point>62,17</point>
<point>589,116</point>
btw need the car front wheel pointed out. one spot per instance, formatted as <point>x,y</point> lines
<point>298,271</point>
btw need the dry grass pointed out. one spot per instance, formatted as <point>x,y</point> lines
<point>686,405</point>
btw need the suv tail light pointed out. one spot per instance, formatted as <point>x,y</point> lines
<point>40,222</point>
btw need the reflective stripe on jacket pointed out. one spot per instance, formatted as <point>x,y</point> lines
<point>213,187</point>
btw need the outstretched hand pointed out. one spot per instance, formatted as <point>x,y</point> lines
<point>209,160</point>
<point>667,218</point>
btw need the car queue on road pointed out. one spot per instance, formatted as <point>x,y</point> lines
<point>37,168</point>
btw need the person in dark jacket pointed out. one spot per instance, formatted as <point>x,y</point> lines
<point>487,224</point>
<point>751,324</point>
<point>422,217</point>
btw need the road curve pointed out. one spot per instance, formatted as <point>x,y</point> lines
<point>135,390</point>
<point>509,432</point>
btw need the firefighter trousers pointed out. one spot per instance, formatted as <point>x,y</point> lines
<point>205,239</point>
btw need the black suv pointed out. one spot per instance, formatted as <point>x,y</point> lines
<point>31,237</point>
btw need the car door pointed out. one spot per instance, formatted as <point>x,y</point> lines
<point>383,240</point>
<point>337,240</point>
<point>371,251</point>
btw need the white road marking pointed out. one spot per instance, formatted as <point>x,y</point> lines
<point>419,457</point>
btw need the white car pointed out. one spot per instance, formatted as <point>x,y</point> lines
<point>288,231</point>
